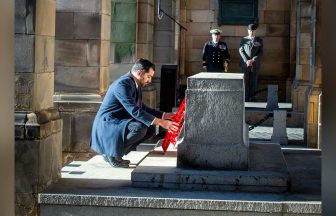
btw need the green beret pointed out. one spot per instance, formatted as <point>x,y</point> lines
<point>215,31</point>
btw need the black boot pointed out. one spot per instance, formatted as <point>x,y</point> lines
<point>117,162</point>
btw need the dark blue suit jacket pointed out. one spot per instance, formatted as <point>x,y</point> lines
<point>116,111</point>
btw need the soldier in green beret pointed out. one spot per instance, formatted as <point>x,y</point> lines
<point>216,55</point>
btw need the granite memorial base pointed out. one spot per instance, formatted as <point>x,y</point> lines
<point>267,172</point>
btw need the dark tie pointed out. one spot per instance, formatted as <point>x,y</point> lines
<point>139,96</point>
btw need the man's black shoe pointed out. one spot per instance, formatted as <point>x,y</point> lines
<point>116,162</point>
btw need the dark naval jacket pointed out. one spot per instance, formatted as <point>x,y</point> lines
<point>250,50</point>
<point>215,55</point>
<point>118,108</point>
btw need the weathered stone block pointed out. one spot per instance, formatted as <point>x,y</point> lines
<point>44,54</point>
<point>123,12</point>
<point>43,91</point>
<point>305,25</point>
<point>104,53</point>
<point>201,29</point>
<point>162,54</point>
<point>20,121</point>
<point>87,25</point>
<point>277,30</point>
<point>66,132</point>
<point>272,97</point>
<point>94,53</point>
<point>123,32</point>
<point>104,79</point>
<point>202,15</point>
<point>105,27</point>
<point>26,166</point>
<point>81,126</point>
<point>24,53</point>
<point>64,25</point>
<point>26,204</point>
<point>305,40</point>
<point>163,38</point>
<point>220,138</point>
<point>77,79</point>
<point>149,96</point>
<point>278,4</point>
<point>93,6</point>
<point>25,16</point>
<point>50,157</point>
<point>144,11</point>
<point>194,55</point>
<point>198,5</point>
<point>274,16</point>
<point>241,31</point>
<point>144,51</point>
<point>71,53</point>
<point>305,9</point>
<point>304,56</point>
<point>24,88</point>
<point>145,33</point>
<point>45,17</point>
<point>197,42</point>
<point>279,127</point>
<point>106,7</point>
<point>20,16</point>
<point>276,43</point>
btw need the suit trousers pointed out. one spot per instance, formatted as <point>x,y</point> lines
<point>136,132</point>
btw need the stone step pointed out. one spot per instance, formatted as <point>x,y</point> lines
<point>104,190</point>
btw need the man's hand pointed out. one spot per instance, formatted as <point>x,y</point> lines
<point>249,63</point>
<point>167,124</point>
<point>168,115</point>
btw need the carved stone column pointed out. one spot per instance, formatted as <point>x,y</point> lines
<point>38,127</point>
<point>314,90</point>
<point>302,68</point>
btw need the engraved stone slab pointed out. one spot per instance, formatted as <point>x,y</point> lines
<point>216,136</point>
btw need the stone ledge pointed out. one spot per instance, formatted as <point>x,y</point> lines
<point>308,207</point>
<point>267,172</point>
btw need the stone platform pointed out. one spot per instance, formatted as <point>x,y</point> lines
<point>267,172</point>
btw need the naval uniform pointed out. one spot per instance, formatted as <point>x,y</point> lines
<point>215,55</point>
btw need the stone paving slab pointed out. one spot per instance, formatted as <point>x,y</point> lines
<point>97,168</point>
<point>267,173</point>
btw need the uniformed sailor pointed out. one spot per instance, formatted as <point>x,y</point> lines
<point>216,55</point>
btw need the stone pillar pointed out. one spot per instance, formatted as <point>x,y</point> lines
<point>302,68</point>
<point>38,127</point>
<point>144,44</point>
<point>218,139</point>
<point>81,69</point>
<point>279,127</point>
<point>314,90</point>
<point>272,97</point>
<point>7,162</point>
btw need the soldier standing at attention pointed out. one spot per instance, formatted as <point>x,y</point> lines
<point>250,51</point>
<point>216,55</point>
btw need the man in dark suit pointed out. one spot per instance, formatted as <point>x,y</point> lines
<point>216,55</point>
<point>123,120</point>
<point>250,51</point>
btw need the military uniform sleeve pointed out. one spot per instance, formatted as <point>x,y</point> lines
<point>242,51</point>
<point>204,55</point>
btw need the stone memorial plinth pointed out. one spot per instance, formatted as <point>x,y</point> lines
<point>216,135</point>
<point>215,153</point>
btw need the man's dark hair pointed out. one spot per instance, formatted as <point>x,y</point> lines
<point>142,64</point>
